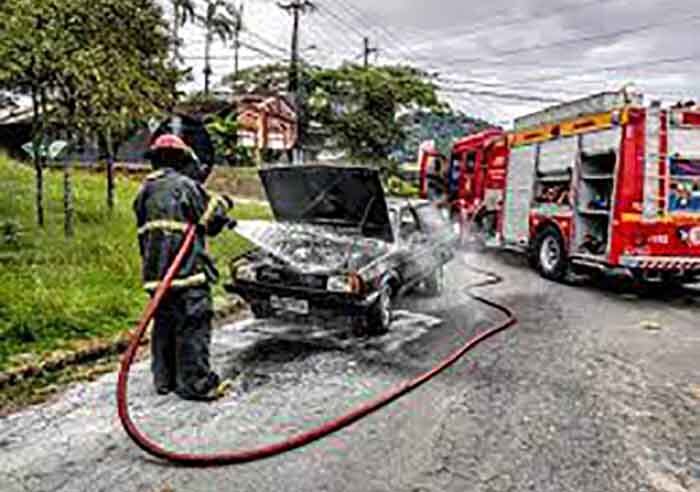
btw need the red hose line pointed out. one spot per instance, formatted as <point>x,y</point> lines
<point>294,442</point>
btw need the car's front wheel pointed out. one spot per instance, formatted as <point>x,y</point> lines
<point>261,309</point>
<point>380,314</point>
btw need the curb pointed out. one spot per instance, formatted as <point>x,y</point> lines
<point>61,360</point>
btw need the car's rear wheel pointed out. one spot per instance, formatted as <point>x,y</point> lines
<point>261,309</point>
<point>435,283</point>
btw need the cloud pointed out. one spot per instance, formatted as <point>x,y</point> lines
<point>477,40</point>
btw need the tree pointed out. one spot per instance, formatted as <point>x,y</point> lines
<point>29,54</point>
<point>93,67</point>
<point>442,127</point>
<point>183,12</point>
<point>359,107</point>
<point>224,135</point>
<point>120,74</point>
<point>262,79</point>
<point>135,73</point>
<point>221,19</point>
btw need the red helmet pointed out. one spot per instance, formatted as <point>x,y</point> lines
<point>169,141</point>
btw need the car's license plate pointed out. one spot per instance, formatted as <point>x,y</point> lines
<point>298,306</point>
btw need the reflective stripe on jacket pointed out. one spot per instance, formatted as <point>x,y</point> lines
<point>166,203</point>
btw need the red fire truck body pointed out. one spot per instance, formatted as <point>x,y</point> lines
<point>602,184</point>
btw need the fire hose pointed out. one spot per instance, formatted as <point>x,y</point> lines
<point>243,456</point>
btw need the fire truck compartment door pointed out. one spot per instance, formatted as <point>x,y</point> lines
<point>685,142</point>
<point>601,142</point>
<point>519,189</point>
<point>558,156</point>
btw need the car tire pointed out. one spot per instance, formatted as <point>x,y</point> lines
<point>379,317</point>
<point>261,309</point>
<point>549,255</point>
<point>435,283</point>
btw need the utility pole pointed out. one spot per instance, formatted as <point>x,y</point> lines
<point>368,51</point>
<point>296,8</point>
<point>207,57</point>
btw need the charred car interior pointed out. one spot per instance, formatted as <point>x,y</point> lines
<point>338,247</point>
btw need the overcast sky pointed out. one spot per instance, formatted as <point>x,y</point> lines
<point>497,59</point>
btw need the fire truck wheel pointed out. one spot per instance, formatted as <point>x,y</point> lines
<point>550,254</point>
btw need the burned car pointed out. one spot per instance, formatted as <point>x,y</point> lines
<point>337,246</point>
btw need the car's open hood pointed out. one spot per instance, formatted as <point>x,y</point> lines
<point>329,195</point>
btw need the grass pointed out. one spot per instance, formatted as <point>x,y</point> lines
<point>56,291</point>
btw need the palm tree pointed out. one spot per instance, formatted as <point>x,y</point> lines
<point>222,20</point>
<point>183,12</point>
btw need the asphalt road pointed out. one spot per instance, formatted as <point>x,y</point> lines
<point>578,397</point>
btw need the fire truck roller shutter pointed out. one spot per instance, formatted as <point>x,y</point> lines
<point>519,189</point>
<point>601,142</point>
<point>685,142</point>
<point>557,156</point>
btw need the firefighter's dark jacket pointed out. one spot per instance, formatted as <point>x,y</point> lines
<point>166,203</point>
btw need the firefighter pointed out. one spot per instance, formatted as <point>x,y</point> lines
<point>169,199</point>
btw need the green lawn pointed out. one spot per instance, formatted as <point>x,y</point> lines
<point>55,291</point>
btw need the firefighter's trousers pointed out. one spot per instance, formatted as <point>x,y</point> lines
<point>180,343</point>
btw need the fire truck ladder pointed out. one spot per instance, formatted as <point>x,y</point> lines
<point>656,179</point>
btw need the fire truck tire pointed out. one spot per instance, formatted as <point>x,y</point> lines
<point>549,255</point>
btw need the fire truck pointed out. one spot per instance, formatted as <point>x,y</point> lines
<point>601,184</point>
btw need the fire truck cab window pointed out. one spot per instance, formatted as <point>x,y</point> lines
<point>455,162</point>
<point>436,165</point>
<point>471,162</point>
<point>454,172</point>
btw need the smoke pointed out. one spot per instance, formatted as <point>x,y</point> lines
<point>312,249</point>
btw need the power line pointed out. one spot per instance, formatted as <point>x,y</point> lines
<point>261,51</point>
<point>342,27</point>
<point>578,40</point>
<point>338,19</point>
<point>503,95</point>
<point>488,27</point>
<point>560,43</point>
<point>365,20</point>
<point>325,43</point>
<point>609,68</point>
<point>356,13</point>
<point>265,41</point>
<point>362,18</point>
<point>520,84</point>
